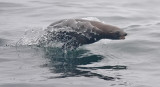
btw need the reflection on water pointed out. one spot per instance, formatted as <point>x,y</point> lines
<point>68,64</point>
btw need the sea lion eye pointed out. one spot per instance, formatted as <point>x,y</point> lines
<point>117,33</point>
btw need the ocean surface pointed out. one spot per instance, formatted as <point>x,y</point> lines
<point>133,62</point>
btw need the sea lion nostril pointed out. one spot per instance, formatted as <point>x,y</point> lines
<point>125,34</point>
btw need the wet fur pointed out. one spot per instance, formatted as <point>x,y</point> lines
<point>103,31</point>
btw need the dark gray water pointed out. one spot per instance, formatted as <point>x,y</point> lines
<point>133,62</point>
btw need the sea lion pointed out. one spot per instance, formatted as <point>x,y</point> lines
<point>77,32</point>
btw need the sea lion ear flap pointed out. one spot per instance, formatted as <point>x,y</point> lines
<point>97,29</point>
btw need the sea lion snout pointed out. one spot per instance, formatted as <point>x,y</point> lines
<point>120,34</point>
<point>123,36</point>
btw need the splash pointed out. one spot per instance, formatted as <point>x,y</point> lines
<point>92,19</point>
<point>31,36</point>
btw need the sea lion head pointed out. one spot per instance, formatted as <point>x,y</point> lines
<point>118,34</point>
<point>114,33</point>
<point>106,31</point>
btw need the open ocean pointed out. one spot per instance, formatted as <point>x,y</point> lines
<point>133,62</point>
